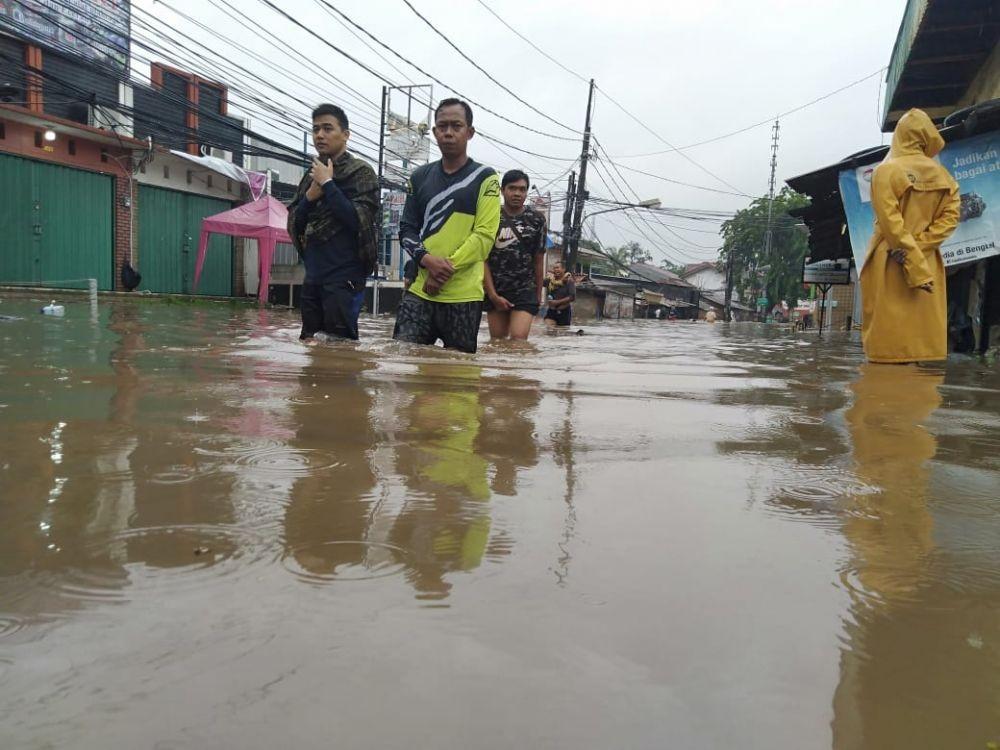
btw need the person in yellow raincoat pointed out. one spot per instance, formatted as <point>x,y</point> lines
<point>902,281</point>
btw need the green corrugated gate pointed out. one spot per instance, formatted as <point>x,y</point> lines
<point>169,227</point>
<point>55,223</point>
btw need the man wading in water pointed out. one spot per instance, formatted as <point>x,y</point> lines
<point>448,227</point>
<point>562,292</point>
<point>332,224</point>
<point>514,270</point>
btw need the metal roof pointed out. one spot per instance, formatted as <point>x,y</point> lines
<point>941,47</point>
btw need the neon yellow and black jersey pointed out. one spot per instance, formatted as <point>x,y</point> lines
<point>453,216</point>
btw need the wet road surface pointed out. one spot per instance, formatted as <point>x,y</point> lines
<point>653,535</point>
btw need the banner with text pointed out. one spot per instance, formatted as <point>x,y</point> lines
<point>96,30</point>
<point>975,165</point>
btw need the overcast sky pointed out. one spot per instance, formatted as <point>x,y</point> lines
<point>689,70</point>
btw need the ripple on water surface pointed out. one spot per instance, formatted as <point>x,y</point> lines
<point>323,563</point>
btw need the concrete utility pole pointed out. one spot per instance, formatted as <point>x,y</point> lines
<point>567,229</point>
<point>728,309</point>
<point>768,235</point>
<point>581,188</point>
<point>769,232</point>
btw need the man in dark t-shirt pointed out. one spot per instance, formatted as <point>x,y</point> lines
<point>516,264</point>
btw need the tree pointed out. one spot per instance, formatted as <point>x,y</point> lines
<point>620,258</point>
<point>756,273</point>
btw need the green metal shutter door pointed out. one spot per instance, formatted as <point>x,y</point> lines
<point>17,220</point>
<point>161,240</point>
<point>169,227</point>
<point>77,240</point>
<point>217,274</point>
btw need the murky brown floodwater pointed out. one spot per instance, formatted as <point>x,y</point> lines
<point>655,535</point>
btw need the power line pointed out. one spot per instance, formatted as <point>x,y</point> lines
<point>768,121</point>
<point>331,10</point>
<point>423,72</point>
<point>646,127</point>
<point>482,70</point>
<point>532,44</point>
<point>639,199</point>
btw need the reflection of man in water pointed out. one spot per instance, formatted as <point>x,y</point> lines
<point>446,524</point>
<point>507,439</point>
<point>914,672</point>
<point>331,499</point>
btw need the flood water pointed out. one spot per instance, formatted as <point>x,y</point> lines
<point>653,535</point>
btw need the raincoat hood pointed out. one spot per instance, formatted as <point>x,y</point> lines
<point>915,143</point>
<point>916,135</point>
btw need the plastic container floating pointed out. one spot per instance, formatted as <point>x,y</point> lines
<point>53,309</point>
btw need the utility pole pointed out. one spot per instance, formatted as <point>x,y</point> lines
<point>728,308</point>
<point>581,188</point>
<point>567,229</point>
<point>769,232</point>
<point>380,248</point>
<point>381,135</point>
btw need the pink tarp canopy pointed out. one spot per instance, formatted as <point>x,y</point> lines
<point>263,220</point>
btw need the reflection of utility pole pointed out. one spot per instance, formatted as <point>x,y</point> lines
<point>581,188</point>
<point>564,449</point>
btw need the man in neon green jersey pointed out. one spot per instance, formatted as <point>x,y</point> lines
<point>448,227</point>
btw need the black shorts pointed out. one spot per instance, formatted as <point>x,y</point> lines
<point>562,317</point>
<point>332,309</point>
<point>421,321</point>
<point>523,301</point>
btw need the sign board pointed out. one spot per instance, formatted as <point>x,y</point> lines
<point>975,164</point>
<point>407,143</point>
<point>762,301</point>
<point>95,30</point>
<point>827,272</point>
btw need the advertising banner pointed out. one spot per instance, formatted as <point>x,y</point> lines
<point>975,165</point>
<point>96,30</point>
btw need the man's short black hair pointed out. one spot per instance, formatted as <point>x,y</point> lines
<point>453,102</point>
<point>334,111</point>
<point>514,175</point>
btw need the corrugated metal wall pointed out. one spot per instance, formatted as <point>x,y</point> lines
<point>57,223</point>
<point>169,227</point>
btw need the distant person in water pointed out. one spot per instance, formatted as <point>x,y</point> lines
<point>561,289</point>
<point>515,268</point>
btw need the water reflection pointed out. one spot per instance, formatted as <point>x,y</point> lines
<point>328,516</point>
<point>265,516</point>
<point>920,664</point>
<point>446,522</point>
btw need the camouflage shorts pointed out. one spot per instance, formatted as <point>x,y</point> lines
<point>420,321</point>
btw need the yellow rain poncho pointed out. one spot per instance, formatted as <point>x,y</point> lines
<point>916,209</point>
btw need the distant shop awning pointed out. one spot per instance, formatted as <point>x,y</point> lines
<point>256,181</point>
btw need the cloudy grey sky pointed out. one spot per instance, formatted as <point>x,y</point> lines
<point>689,71</point>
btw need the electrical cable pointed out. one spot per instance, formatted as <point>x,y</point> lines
<point>482,70</point>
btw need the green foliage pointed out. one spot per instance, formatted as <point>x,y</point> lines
<point>776,275</point>
<point>624,256</point>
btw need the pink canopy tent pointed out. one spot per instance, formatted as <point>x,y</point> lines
<point>263,220</point>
